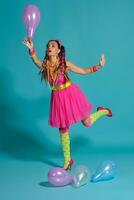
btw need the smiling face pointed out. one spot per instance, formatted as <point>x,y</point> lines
<point>52,48</point>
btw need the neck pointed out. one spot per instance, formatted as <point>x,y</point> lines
<point>53,59</point>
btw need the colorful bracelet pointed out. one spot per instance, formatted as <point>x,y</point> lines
<point>94,69</point>
<point>31,52</point>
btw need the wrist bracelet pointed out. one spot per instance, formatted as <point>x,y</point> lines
<point>95,68</point>
<point>31,52</point>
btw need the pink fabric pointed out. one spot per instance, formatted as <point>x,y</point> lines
<point>61,79</point>
<point>67,106</point>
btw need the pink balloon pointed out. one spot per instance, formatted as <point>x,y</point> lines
<point>31,19</point>
<point>59,177</point>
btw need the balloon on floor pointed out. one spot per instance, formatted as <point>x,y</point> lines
<point>105,171</point>
<point>80,176</point>
<point>59,177</point>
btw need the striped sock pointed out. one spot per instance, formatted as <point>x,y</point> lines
<point>65,144</point>
<point>95,116</point>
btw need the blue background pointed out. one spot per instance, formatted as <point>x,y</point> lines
<point>29,147</point>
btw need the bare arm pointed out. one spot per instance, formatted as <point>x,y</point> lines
<point>32,53</point>
<point>87,70</point>
<point>36,61</point>
<point>72,67</point>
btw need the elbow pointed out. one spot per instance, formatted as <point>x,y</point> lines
<point>84,72</point>
<point>38,64</point>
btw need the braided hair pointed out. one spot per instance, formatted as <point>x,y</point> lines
<point>62,62</point>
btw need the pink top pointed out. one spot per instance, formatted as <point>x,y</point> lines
<point>61,79</point>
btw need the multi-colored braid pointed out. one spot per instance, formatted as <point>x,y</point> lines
<point>62,63</point>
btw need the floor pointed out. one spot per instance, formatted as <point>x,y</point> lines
<point>23,179</point>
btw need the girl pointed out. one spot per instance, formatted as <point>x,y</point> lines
<point>68,105</point>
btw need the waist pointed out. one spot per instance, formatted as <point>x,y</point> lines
<point>62,86</point>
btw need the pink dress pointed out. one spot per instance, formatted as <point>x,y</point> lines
<point>67,106</point>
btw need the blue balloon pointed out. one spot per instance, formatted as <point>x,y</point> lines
<point>105,171</point>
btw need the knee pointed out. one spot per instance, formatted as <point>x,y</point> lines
<point>63,130</point>
<point>86,123</point>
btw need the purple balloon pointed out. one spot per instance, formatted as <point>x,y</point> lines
<point>31,18</point>
<point>59,177</point>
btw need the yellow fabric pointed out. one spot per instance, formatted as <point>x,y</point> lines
<point>65,145</point>
<point>62,86</point>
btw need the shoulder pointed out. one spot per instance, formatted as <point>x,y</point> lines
<point>74,68</point>
<point>69,65</point>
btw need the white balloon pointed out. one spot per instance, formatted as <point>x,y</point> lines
<point>80,176</point>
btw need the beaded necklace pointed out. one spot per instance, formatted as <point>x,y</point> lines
<point>53,71</point>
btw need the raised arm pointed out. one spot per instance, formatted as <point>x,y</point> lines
<point>34,58</point>
<point>32,52</point>
<point>87,70</point>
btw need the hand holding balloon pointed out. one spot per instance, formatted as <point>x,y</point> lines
<point>28,43</point>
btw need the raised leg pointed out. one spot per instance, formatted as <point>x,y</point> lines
<point>88,121</point>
